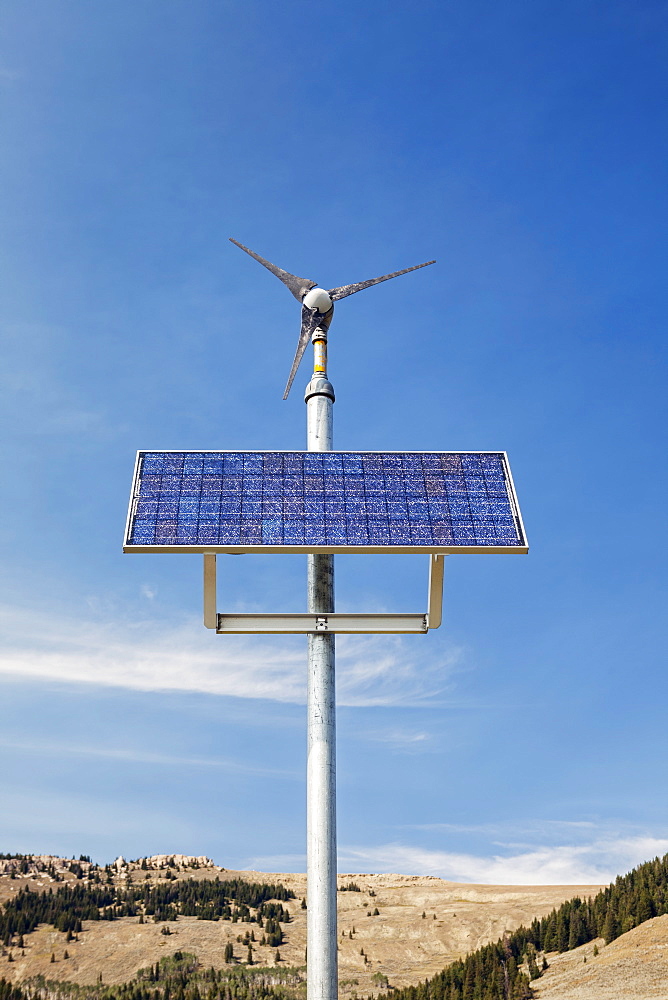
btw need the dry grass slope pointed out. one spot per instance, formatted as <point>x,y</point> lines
<point>634,967</point>
<point>398,943</point>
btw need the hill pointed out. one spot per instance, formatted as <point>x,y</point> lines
<point>397,944</point>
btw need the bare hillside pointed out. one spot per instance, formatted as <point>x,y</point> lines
<point>634,967</point>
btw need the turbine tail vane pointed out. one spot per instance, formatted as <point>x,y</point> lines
<point>343,291</point>
<point>298,286</point>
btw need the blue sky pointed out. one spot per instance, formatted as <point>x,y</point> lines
<point>521,145</point>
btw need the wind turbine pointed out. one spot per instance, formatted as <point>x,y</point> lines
<point>317,303</point>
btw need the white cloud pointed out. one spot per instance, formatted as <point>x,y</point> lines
<point>147,656</point>
<point>598,862</point>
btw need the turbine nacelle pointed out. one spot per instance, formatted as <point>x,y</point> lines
<point>317,303</point>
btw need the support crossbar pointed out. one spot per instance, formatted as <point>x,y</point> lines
<point>361,624</point>
<point>333,622</point>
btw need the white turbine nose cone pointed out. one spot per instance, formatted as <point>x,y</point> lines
<point>318,299</point>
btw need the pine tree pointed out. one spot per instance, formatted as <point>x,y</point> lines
<point>611,928</point>
<point>577,932</point>
<point>547,942</point>
<point>534,971</point>
<point>645,909</point>
<point>563,927</point>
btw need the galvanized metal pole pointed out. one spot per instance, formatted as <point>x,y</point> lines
<point>322,964</point>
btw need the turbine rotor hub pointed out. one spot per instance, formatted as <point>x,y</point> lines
<point>318,298</point>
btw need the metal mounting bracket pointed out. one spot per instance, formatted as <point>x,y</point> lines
<point>364,624</point>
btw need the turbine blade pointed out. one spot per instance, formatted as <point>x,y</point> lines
<point>298,286</point>
<point>344,290</point>
<point>310,320</point>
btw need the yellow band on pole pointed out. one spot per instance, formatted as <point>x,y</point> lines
<point>320,357</point>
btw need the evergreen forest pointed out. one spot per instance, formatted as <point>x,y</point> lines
<point>215,899</point>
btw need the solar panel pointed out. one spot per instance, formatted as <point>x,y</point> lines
<point>295,501</point>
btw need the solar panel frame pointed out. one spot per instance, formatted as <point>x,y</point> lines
<point>202,492</point>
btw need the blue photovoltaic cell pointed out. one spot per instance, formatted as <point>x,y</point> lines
<point>335,499</point>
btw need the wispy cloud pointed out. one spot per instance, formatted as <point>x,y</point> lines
<point>144,757</point>
<point>147,656</point>
<point>392,670</point>
<point>405,740</point>
<point>522,829</point>
<point>584,864</point>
